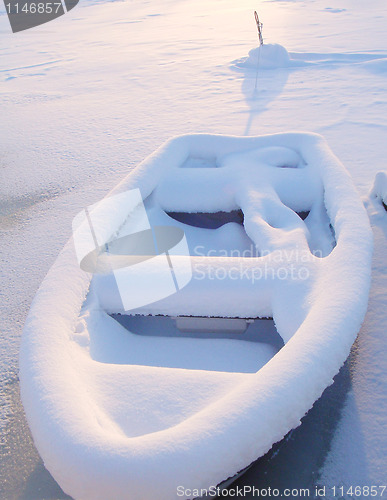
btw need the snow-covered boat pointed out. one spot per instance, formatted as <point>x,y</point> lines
<point>190,328</point>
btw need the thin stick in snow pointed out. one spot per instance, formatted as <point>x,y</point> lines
<point>260,36</point>
<point>259,27</point>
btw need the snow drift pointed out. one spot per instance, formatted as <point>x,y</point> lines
<point>275,56</point>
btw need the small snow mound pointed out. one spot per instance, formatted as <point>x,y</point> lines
<point>379,189</point>
<point>271,56</point>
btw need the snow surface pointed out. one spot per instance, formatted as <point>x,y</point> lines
<point>106,422</point>
<point>89,95</point>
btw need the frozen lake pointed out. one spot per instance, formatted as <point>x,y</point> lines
<point>89,95</point>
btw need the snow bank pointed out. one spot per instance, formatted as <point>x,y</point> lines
<point>107,427</point>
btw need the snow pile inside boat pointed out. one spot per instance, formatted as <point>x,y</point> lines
<point>128,411</point>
